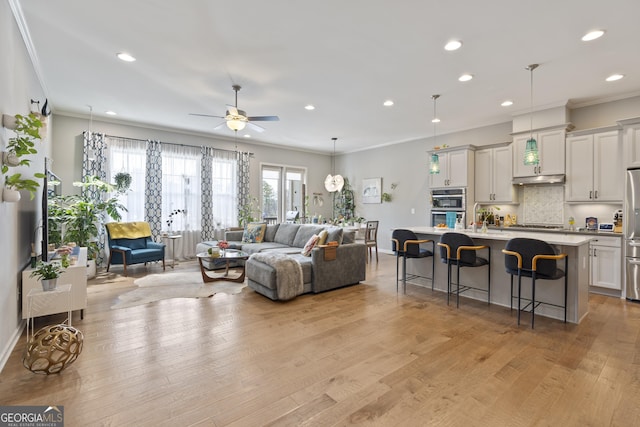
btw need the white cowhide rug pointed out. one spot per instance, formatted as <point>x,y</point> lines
<point>156,287</point>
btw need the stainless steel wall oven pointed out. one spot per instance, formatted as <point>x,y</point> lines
<point>447,200</point>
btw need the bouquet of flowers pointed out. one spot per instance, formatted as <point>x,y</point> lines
<point>223,244</point>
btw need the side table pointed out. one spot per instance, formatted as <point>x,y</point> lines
<point>172,238</point>
<point>39,301</point>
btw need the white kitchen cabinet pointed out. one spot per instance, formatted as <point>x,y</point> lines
<point>456,168</point>
<point>551,153</point>
<point>606,262</point>
<point>76,275</point>
<point>493,175</point>
<point>594,167</point>
<point>631,141</point>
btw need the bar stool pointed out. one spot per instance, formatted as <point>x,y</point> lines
<point>406,244</point>
<point>536,259</point>
<point>460,250</point>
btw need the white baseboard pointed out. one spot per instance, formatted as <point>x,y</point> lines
<point>6,352</point>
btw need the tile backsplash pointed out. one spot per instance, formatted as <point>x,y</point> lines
<point>542,204</point>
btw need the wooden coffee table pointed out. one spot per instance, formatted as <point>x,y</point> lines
<point>228,255</point>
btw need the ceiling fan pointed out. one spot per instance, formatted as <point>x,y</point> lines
<point>236,119</point>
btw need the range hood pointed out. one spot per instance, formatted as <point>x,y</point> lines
<point>538,179</point>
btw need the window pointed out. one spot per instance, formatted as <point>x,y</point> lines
<point>283,190</point>
<point>181,188</point>
<point>224,189</point>
<point>126,155</point>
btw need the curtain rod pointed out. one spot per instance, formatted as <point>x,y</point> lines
<point>172,143</point>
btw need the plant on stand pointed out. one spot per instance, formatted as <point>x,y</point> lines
<point>48,274</point>
<point>171,219</point>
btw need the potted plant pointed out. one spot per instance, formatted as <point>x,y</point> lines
<point>47,273</point>
<point>27,129</point>
<point>83,215</point>
<point>246,213</point>
<point>14,183</point>
<point>122,181</point>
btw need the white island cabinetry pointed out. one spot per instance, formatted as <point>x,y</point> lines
<point>576,246</point>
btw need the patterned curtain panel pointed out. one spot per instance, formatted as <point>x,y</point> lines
<point>153,195</point>
<point>243,180</point>
<point>207,224</point>
<point>94,163</point>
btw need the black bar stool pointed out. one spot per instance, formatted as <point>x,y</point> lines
<point>460,250</point>
<point>406,244</point>
<point>536,259</point>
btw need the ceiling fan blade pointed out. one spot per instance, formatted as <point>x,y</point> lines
<point>264,118</point>
<point>205,115</point>
<point>232,110</point>
<point>255,127</point>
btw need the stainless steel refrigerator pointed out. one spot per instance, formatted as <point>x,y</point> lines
<point>632,234</point>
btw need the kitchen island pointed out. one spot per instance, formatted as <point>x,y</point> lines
<point>576,246</point>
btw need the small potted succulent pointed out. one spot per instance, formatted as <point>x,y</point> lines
<point>48,273</point>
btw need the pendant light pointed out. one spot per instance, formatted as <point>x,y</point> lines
<point>434,167</point>
<point>333,183</point>
<point>531,150</point>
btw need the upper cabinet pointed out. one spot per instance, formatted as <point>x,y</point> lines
<point>550,152</point>
<point>631,130</point>
<point>456,168</point>
<point>594,167</point>
<point>493,175</point>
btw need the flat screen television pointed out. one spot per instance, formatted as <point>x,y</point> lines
<point>51,187</point>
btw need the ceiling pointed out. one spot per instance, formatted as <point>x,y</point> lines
<point>344,57</point>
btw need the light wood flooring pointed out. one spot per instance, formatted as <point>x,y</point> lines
<point>361,355</point>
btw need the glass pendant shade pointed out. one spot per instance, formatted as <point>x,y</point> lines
<point>434,168</point>
<point>531,153</point>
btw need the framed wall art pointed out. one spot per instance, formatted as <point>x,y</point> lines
<point>372,190</point>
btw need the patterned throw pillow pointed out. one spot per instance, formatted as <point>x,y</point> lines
<point>254,232</point>
<point>306,251</point>
<point>322,237</point>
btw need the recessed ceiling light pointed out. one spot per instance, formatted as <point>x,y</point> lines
<point>507,103</point>
<point>592,35</point>
<point>453,45</point>
<point>125,57</point>
<point>246,135</point>
<point>614,77</point>
<point>388,103</point>
<point>465,77</point>
<point>111,113</point>
<point>309,107</point>
<point>435,120</point>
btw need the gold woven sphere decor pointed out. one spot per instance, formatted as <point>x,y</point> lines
<point>52,349</point>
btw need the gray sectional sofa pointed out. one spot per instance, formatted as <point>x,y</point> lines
<point>319,275</point>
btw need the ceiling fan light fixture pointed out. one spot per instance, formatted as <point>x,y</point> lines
<point>236,124</point>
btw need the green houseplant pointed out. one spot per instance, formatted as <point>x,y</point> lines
<point>27,131</point>
<point>83,215</point>
<point>246,213</point>
<point>122,182</point>
<point>47,273</point>
<point>16,183</point>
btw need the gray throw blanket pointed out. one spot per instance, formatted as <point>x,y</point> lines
<point>288,271</point>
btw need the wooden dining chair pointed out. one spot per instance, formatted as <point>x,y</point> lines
<point>371,238</point>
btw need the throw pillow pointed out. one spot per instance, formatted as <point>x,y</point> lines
<point>306,251</point>
<point>254,232</point>
<point>322,237</point>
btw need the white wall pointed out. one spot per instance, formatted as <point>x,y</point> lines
<point>18,85</point>
<point>407,166</point>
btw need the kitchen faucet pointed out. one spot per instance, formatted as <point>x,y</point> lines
<point>474,227</point>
